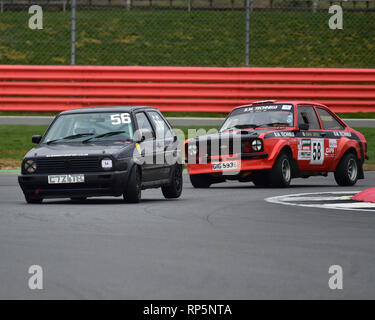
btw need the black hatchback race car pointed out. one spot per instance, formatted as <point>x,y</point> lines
<point>103,151</point>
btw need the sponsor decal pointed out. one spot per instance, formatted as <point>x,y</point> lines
<point>304,149</point>
<point>286,107</point>
<point>261,108</point>
<point>304,155</point>
<point>138,148</point>
<point>330,152</point>
<point>310,134</point>
<point>332,143</point>
<point>283,134</point>
<point>342,134</point>
<point>306,142</point>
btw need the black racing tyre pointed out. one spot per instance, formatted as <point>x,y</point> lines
<point>174,189</point>
<point>33,199</point>
<point>346,173</point>
<point>200,180</point>
<point>78,199</point>
<point>281,172</point>
<point>133,190</point>
<point>261,181</point>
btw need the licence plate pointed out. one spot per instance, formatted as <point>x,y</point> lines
<point>66,178</point>
<point>226,165</point>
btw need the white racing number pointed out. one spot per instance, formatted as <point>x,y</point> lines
<point>317,152</point>
<point>120,118</point>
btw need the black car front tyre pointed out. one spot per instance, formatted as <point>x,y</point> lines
<point>133,190</point>
<point>346,173</point>
<point>33,199</point>
<point>174,189</point>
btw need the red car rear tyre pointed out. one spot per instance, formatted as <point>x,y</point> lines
<point>346,173</point>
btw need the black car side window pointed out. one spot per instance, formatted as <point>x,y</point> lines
<point>328,121</point>
<point>307,115</point>
<point>162,129</point>
<point>144,125</point>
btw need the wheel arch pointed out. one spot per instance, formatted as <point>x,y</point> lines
<point>131,167</point>
<point>352,150</point>
<point>288,150</point>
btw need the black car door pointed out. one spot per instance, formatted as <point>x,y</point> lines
<point>147,147</point>
<point>165,144</point>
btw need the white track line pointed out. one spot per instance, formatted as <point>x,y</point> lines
<point>317,198</point>
<point>352,206</point>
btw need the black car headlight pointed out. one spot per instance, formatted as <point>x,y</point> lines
<point>107,163</point>
<point>257,145</point>
<point>29,166</point>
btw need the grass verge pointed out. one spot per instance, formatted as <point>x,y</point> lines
<point>15,142</point>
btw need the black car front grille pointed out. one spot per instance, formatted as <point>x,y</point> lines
<point>68,165</point>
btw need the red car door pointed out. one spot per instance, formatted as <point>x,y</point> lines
<point>311,142</point>
<point>333,131</point>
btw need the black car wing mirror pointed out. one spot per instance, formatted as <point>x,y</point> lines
<point>303,126</point>
<point>36,139</point>
<point>142,135</point>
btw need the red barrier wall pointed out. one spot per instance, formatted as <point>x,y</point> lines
<point>184,89</point>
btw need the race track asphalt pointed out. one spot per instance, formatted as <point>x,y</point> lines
<point>225,242</point>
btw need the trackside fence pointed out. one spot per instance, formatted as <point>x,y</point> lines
<point>181,89</point>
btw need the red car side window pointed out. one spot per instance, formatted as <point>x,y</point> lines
<point>328,121</point>
<point>306,114</point>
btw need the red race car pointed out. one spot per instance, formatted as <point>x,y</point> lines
<point>270,142</point>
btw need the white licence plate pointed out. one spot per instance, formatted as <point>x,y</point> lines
<point>66,178</point>
<point>226,165</point>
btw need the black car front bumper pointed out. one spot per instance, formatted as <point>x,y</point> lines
<point>110,183</point>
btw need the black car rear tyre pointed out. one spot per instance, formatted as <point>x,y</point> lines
<point>346,173</point>
<point>133,190</point>
<point>281,172</point>
<point>174,189</point>
<point>200,180</point>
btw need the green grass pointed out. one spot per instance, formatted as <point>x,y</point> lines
<point>196,38</point>
<point>357,115</point>
<point>15,141</point>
